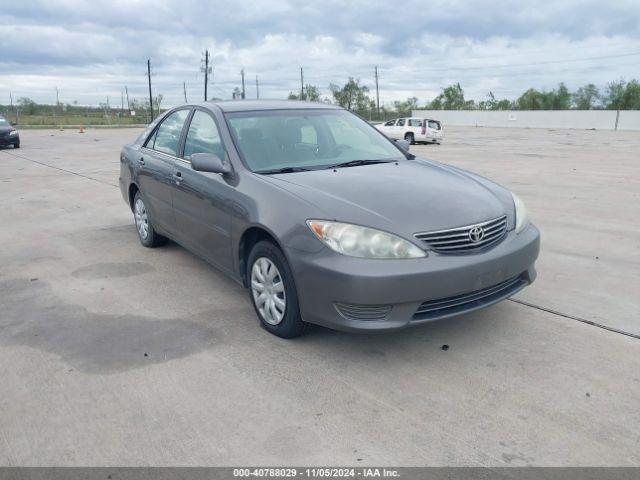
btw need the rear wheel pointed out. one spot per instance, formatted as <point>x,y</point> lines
<point>16,145</point>
<point>146,233</point>
<point>409,138</point>
<point>273,291</point>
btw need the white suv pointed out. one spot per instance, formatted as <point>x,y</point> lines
<point>413,130</point>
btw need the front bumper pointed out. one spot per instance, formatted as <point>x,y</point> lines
<point>327,282</point>
<point>9,140</point>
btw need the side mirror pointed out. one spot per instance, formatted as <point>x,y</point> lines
<point>403,144</point>
<point>209,162</point>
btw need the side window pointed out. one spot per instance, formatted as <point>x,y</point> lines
<point>390,123</point>
<point>415,122</point>
<point>401,122</point>
<point>203,136</point>
<point>167,137</point>
<point>151,139</point>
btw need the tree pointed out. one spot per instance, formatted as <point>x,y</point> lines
<point>405,108</point>
<point>311,93</point>
<point>561,98</point>
<point>451,98</point>
<point>488,104</point>
<point>622,96</point>
<point>631,97</point>
<point>157,102</point>
<point>585,98</point>
<point>505,104</point>
<point>27,105</point>
<point>530,100</point>
<point>352,96</point>
<point>614,94</point>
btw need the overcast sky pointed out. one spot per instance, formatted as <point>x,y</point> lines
<point>90,49</point>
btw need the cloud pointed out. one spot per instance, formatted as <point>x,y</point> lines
<point>90,50</point>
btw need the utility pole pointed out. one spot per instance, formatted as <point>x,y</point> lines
<point>57,97</point>
<point>377,94</point>
<point>184,88</point>
<point>11,100</point>
<point>121,103</point>
<point>257,88</point>
<point>126,90</point>
<point>150,96</point>
<point>301,85</point>
<point>242,74</point>
<point>207,70</point>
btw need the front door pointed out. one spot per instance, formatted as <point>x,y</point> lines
<point>156,170</point>
<point>202,201</point>
<point>399,129</point>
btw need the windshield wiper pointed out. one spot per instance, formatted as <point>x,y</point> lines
<point>283,170</point>
<point>355,163</point>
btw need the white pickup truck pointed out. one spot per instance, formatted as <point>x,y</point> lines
<point>413,130</point>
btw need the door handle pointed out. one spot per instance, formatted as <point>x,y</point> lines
<point>141,160</point>
<point>178,176</point>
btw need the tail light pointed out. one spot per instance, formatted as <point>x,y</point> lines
<point>424,128</point>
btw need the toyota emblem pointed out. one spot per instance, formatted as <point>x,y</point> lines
<point>476,234</point>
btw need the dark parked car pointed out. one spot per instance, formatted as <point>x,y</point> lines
<point>323,218</point>
<point>8,134</point>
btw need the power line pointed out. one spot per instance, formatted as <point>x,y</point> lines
<point>533,64</point>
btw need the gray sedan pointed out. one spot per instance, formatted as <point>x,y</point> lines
<point>324,219</point>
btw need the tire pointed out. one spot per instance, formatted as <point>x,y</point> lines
<point>280,290</point>
<point>16,145</point>
<point>409,138</point>
<point>146,233</point>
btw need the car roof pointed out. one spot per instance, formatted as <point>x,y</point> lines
<point>257,105</point>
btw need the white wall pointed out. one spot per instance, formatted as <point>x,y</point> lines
<point>576,119</point>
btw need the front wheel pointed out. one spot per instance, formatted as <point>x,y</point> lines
<point>16,145</point>
<point>273,291</point>
<point>409,138</point>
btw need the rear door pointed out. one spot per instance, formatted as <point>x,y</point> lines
<point>156,169</point>
<point>434,128</point>
<point>202,201</point>
<point>416,125</point>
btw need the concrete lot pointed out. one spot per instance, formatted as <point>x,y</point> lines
<point>114,354</point>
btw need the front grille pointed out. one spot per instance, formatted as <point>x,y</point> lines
<point>459,240</point>
<point>468,301</point>
<point>363,312</point>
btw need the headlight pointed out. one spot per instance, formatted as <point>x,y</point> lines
<point>363,242</point>
<point>522,219</point>
<point>13,132</point>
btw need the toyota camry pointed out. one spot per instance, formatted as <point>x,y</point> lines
<point>324,219</point>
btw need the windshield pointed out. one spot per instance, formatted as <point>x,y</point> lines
<point>307,139</point>
<point>4,123</point>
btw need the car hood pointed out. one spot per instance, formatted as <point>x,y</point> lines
<point>404,197</point>
<point>5,130</point>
